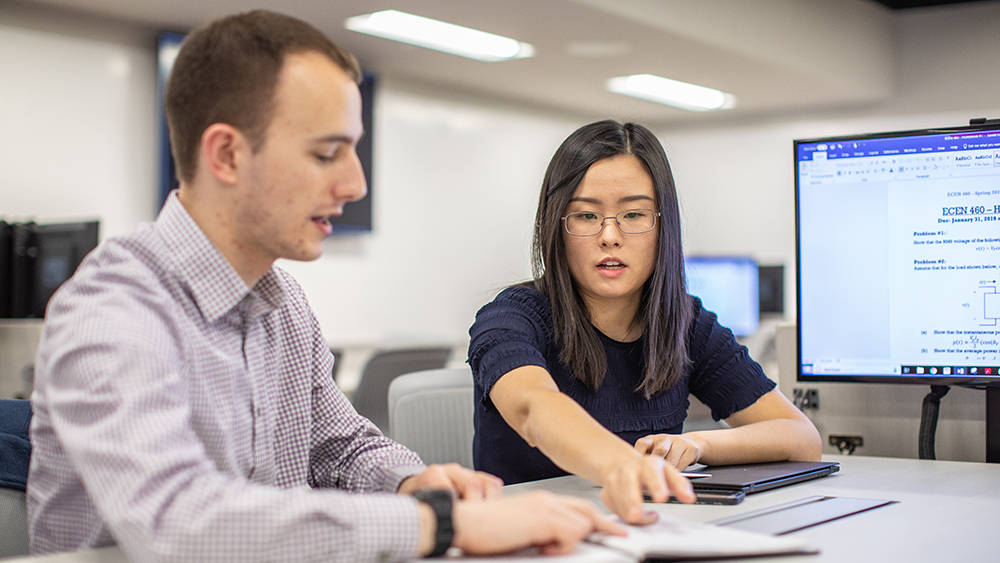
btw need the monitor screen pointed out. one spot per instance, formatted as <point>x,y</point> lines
<point>727,286</point>
<point>771,283</point>
<point>898,247</point>
<point>60,249</point>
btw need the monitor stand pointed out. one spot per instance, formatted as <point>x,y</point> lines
<point>929,419</point>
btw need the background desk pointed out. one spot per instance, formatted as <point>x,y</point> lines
<point>947,511</point>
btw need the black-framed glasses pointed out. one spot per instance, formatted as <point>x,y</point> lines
<point>630,222</point>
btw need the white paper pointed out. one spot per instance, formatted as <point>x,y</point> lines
<point>672,537</point>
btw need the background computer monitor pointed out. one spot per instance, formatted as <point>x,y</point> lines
<point>771,285</point>
<point>898,246</point>
<point>727,286</point>
<point>357,215</point>
<point>38,259</point>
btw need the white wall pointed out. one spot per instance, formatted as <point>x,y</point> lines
<point>77,114</point>
<point>456,177</point>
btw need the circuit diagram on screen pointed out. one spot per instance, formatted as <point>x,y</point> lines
<point>991,305</point>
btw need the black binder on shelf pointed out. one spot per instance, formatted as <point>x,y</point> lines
<point>59,249</point>
<point>6,230</point>
<point>22,268</point>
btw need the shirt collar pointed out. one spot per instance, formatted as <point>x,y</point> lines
<point>211,279</point>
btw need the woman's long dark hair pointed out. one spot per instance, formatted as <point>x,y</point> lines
<point>664,308</point>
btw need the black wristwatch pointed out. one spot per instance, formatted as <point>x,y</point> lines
<point>441,503</point>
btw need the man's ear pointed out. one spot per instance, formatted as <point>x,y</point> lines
<point>221,145</point>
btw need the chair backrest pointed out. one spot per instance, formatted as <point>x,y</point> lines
<point>370,399</point>
<point>430,412</point>
<point>338,357</point>
<point>13,523</point>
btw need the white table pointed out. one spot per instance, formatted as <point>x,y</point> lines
<point>947,511</point>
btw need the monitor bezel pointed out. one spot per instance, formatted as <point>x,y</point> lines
<point>962,380</point>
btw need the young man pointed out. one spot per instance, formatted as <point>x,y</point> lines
<point>183,403</point>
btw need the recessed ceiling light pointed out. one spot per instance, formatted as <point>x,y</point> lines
<point>439,35</point>
<point>683,95</point>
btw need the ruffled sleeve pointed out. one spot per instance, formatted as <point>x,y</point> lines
<point>512,331</point>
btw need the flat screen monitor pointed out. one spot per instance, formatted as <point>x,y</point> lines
<point>357,215</point>
<point>61,248</point>
<point>772,289</point>
<point>727,286</point>
<point>39,259</point>
<point>898,247</point>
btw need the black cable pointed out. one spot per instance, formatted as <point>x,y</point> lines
<point>929,420</point>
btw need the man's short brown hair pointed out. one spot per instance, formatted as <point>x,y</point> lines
<point>226,72</point>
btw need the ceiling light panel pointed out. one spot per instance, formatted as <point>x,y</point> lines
<point>440,36</point>
<point>683,95</point>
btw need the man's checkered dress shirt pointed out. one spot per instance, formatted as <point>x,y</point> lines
<point>187,417</point>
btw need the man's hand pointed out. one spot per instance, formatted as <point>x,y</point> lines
<point>468,484</point>
<point>677,449</point>
<point>626,479</point>
<point>553,523</point>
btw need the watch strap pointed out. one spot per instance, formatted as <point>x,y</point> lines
<point>441,503</point>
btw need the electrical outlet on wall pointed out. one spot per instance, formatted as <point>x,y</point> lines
<point>846,443</point>
<point>805,398</point>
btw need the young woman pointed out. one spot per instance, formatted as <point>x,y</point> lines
<point>587,369</point>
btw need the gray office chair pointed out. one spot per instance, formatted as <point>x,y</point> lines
<point>338,357</point>
<point>370,399</point>
<point>13,523</point>
<point>430,412</point>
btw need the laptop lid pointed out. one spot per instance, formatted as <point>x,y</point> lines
<point>755,477</point>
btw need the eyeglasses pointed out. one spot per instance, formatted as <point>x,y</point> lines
<point>630,222</point>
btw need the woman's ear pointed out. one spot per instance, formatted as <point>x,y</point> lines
<point>221,145</point>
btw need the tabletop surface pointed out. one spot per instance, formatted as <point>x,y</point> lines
<point>945,511</point>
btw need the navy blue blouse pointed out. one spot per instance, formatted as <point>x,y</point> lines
<point>515,330</point>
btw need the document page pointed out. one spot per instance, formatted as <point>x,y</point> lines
<point>673,537</point>
<point>944,253</point>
